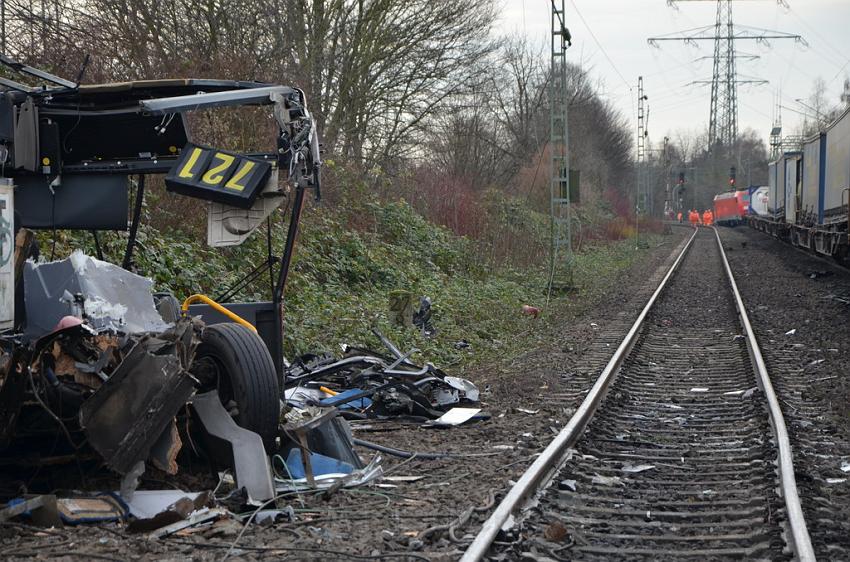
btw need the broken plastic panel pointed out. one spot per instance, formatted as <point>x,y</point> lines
<point>228,225</point>
<point>249,456</point>
<point>108,296</point>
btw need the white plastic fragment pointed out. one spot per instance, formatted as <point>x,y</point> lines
<point>699,389</point>
<point>148,503</point>
<point>571,484</point>
<point>835,480</point>
<point>845,466</point>
<point>791,332</point>
<point>456,416</point>
<point>527,411</point>
<point>403,478</point>
<point>467,387</point>
<point>607,480</point>
<point>635,468</point>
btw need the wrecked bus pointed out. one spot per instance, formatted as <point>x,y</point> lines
<point>93,361</point>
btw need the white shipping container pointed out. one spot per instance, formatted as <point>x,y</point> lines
<point>811,174</point>
<point>776,188</point>
<point>758,201</point>
<point>792,186</point>
<point>837,161</point>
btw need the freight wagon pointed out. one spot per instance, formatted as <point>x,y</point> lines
<point>808,193</point>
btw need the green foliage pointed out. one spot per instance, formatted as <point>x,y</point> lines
<point>342,277</point>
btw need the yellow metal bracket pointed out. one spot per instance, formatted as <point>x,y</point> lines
<point>206,300</point>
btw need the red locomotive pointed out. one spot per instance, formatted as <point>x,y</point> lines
<point>730,208</point>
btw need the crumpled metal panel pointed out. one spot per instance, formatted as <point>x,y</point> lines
<point>128,414</point>
<point>109,297</point>
<point>250,461</point>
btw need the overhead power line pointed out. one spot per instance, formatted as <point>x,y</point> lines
<point>723,115</point>
<point>599,45</point>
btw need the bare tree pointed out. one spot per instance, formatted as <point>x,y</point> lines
<point>374,70</point>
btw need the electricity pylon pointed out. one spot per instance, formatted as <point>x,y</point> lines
<point>561,251</point>
<point>640,180</point>
<point>723,119</point>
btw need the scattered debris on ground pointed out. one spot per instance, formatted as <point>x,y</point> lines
<point>361,429</point>
<point>114,391</point>
<point>366,384</point>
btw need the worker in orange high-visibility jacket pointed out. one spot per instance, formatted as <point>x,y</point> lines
<point>693,217</point>
<point>706,217</point>
<point>679,217</point>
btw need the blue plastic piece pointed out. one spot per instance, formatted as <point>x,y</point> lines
<point>18,501</point>
<point>358,403</point>
<point>319,463</point>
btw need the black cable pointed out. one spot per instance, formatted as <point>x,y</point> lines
<point>52,414</point>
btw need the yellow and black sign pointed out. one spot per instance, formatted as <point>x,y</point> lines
<point>217,175</point>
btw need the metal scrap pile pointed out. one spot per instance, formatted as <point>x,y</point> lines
<point>366,384</point>
<point>121,391</point>
<point>99,375</point>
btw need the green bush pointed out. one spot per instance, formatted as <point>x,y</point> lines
<point>342,277</point>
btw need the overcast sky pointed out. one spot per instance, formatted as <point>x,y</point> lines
<point>622,27</point>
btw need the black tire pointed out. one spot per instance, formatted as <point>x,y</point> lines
<point>237,363</point>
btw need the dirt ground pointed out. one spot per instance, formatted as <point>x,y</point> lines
<point>434,517</point>
<point>799,306</point>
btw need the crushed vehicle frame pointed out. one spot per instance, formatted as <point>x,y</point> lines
<point>67,154</point>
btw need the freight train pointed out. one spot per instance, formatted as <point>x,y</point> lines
<point>808,193</point>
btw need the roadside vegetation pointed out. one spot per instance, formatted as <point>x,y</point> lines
<point>436,178</point>
<point>343,275</point>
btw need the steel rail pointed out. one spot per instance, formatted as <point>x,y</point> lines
<point>553,455</point>
<point>800,541</point>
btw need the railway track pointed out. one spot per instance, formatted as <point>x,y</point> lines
<point>678,450</point>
